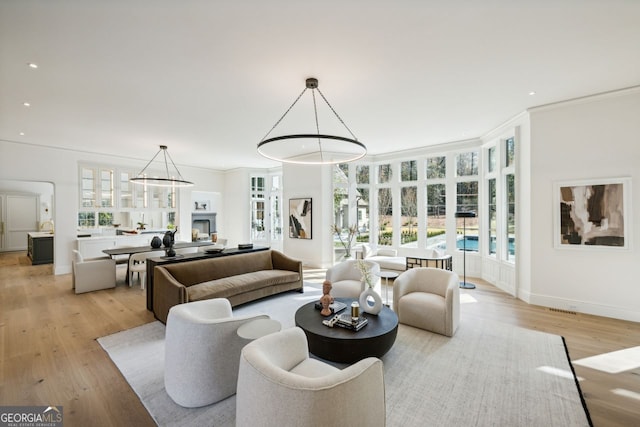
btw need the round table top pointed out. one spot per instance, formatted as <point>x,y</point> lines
<point>387,274</point>
<point>344,345</point>
<point>258,328</point>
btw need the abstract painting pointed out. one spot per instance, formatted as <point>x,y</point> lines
<point>593,213</point>
<point>300,218</point>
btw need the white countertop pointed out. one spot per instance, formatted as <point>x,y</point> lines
<point>38,234</point>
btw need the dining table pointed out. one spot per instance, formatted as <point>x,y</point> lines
<point>130,250</point>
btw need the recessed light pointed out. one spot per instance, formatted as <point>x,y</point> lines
<point>21,133</point>
<point>32,65</point>
<point>532,93</point>
<point>26,104</point>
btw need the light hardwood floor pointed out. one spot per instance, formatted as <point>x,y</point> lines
<point>49,354</point>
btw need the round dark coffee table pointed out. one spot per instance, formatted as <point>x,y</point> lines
<point>343,345</point>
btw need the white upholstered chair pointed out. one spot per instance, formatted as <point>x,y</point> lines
<point>346,279</point>
<point>428,298</point>
<point>92,274</point>
<point>202,352</point>
<point>138,264</point>
<point>279,385</point>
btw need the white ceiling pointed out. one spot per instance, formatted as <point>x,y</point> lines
<point>210,78</point>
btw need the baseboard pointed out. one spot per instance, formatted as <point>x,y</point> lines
<point>582,307</point>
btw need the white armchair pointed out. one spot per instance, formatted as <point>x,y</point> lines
<point>346,279</point>
<point>92,274</point>
<point>202,352</point>
<point>279,385</point>
<point>428,298</point>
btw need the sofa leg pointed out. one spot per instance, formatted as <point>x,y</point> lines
<point>301,290</point>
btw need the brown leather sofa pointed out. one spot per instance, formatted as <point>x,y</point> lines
<point>239,278</point>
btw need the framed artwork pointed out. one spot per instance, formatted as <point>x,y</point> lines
<point>201,205</point>
<point>300,218</point>
<point>593,214</point>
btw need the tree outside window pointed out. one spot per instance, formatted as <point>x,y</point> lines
<point>409,214</point>
<point>385,217</point>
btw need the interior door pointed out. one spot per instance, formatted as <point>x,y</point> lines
<point>21,218</point>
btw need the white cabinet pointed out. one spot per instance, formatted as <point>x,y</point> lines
<point>92,247</point>
<point>97,187</point>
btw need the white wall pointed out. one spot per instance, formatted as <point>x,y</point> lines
<point>60,167</point>
<point>591,138</point>
<point>315,181</point>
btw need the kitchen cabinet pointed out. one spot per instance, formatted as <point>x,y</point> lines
<point>40,247</point>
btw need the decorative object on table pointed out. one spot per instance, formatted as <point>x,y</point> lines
<point>154,180</point>
<point>326,299</point>
<point>245,245</point>
<point>201,205</point>
<point>300,218</point>
<point>592,214</point>
<point>168,241</point>
<point>312,148</point>
<point>346,241</point>
<point>142,225</point>
<point>464,215</point>
<point>368,291</point>
<point>335,307</point>
<point>214,237</point>
<point>355,311</point>
<point>156,242</point>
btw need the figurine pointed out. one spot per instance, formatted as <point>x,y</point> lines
<point>326,299</point>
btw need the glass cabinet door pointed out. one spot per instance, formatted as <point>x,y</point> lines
<point>88,184</point>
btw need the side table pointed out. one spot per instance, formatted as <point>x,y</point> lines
<point>386,274</point>
<point>258,328</point>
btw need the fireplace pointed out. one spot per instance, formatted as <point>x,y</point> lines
<point>205,224</point>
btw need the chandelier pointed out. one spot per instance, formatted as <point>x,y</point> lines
<point>312,148</point>
<point>170,180</point>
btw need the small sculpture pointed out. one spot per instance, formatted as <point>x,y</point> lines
<point>168,240</point>
<point>326,299</point>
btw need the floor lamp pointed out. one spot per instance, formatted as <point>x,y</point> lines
<point>464,215</point>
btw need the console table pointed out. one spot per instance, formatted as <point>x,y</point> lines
<point>444,262</point>
<point>153,262</point>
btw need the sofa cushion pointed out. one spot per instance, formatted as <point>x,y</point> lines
<point>233,285</point>
<point>195,272</point>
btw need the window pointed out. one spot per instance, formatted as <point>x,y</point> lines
<point>362,174</point>
<point>258,204</point>
<point>362,206</point>
<point>409,214</point>
<point>492,216</point>
<point>86,219</point>
<point>491,161</point>
<point>467,200</point>
<point>510,150</point>
<point>467,164</point>
<point>384,173</point>
<point>385,217</point>
<point>436,216</point>
<point>409,171</point>
<point>436,167</point>
<point>511,217</point>
<point>276,209</point>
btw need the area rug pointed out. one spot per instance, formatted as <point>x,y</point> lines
<point>488,374</point>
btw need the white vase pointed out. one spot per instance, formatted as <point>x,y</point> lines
<point>365,304</point>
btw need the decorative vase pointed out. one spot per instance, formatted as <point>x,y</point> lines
<point>156,242</point>
<point>365,304</point>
